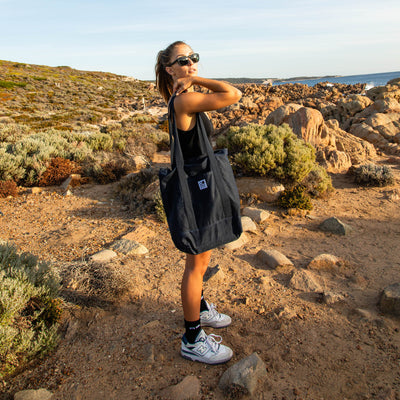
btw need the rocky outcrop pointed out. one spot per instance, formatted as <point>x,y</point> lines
<point>336,149</point>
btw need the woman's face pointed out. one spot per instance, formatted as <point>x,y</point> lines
<point>177,71</point>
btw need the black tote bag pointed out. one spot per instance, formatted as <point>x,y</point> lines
<point>199,195</point>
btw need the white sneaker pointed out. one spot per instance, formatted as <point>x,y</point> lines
<point>213,318</point>
<point>206,349</point>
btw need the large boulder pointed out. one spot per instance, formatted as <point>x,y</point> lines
<point>282,114</point>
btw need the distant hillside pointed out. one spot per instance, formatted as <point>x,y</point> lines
<point>42,96</point>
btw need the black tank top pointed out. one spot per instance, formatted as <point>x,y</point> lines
<point>189,140</point>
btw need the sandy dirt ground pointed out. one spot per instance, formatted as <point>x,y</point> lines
<point>129,348</point>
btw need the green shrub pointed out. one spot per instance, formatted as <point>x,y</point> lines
<point>11,133</point>
<point>100,142</point>
<point>295,197</point>
<point>8,188</point>
<point>269,150</point>
<point>29,308</point>
<point>373,175</point>
<point>318,182</point>
<point>159,208</point>
<point>11,85</point>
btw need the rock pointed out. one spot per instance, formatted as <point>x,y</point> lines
<point>282,114</point>
<point>336,226</point>
<point>129,247</point>
<point>389,302</point>
<point>331,297</point>
<point>236,244</point>
<point>307,124</point>
<point>151,191</point>
<point>188,388</point>
<point>265,189</point>
<point>248,225</point>
<point>103,256</point>
<point>242,378</point>
<point>326,262</point>
<point>40,394</point>
<point>256,214</point>
<point>72,181</point>
<point>306,281</point>
<point>140,233</point>
<point>273,258</point>
<point>36,190</point>
<point>214,273</point>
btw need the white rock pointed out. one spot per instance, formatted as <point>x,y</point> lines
<point>273,258</point>
<point>306,281</point>
<point>265,189</point>
<point>236,244</point>
<point>40,394</point>
<point>129,247</point>
<point>103,256</point>
<point>256,214</point>
<point>248,225</point>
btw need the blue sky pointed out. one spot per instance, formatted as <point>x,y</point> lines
<point>247,38</point>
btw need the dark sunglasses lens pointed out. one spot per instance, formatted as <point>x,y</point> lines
<point>183,61</point>
<point>194,57</point>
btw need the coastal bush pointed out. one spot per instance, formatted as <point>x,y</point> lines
<point>100,142</point>
<point>58,171</point>
<point>159,208</point>
<point>318,182</point>
<point>295,197</point>
<point>373,175</point>
<point>29,308</point>
<point>269,150</point>
<point>11,132</point>
<point>8,188</point>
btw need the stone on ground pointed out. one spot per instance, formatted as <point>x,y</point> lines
<point>187,389</point>
<point>103,256</point>
<point>389,302</point>
<point>256,214</point>
<point>325,262</point>
<point>306,281</point>
<point>40,394</point>
<point>273,258</point>
<point>236,244</point>
<point>242,378</point>
<point>336,226</point>
<point>265,189</point>
<point>129,247</point>
<point>248,225</point>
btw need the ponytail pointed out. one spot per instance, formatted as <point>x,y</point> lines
<point>164,81</point>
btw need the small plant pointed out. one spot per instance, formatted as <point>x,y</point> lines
<point>159,208</point>
<point>373,175</point>
<point>295,197</point>
<point>8,188</point>
<point>269,150</point>
<point>58,171</point>
<point>110,172</point>
<point>29,308</point>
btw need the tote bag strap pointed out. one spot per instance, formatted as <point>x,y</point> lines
<point>178,163</point>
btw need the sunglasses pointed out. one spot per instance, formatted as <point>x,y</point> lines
<point>184,60</point>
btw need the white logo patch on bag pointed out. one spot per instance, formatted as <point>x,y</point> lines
<point>202,184</point>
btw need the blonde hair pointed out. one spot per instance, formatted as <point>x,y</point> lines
<point>164,81</point>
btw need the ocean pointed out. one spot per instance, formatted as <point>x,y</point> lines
<point>371,80</point>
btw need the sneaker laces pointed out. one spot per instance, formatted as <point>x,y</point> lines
<point>214,341</point>
<point>212,310</point>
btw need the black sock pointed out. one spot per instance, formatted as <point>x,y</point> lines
<point>192,328</point>
<point>203,304</point>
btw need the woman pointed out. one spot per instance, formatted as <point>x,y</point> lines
<point>176,72</point>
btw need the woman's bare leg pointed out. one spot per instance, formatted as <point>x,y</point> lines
<point>192,284</point>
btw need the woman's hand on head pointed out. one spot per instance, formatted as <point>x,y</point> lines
<point>182,84</point>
